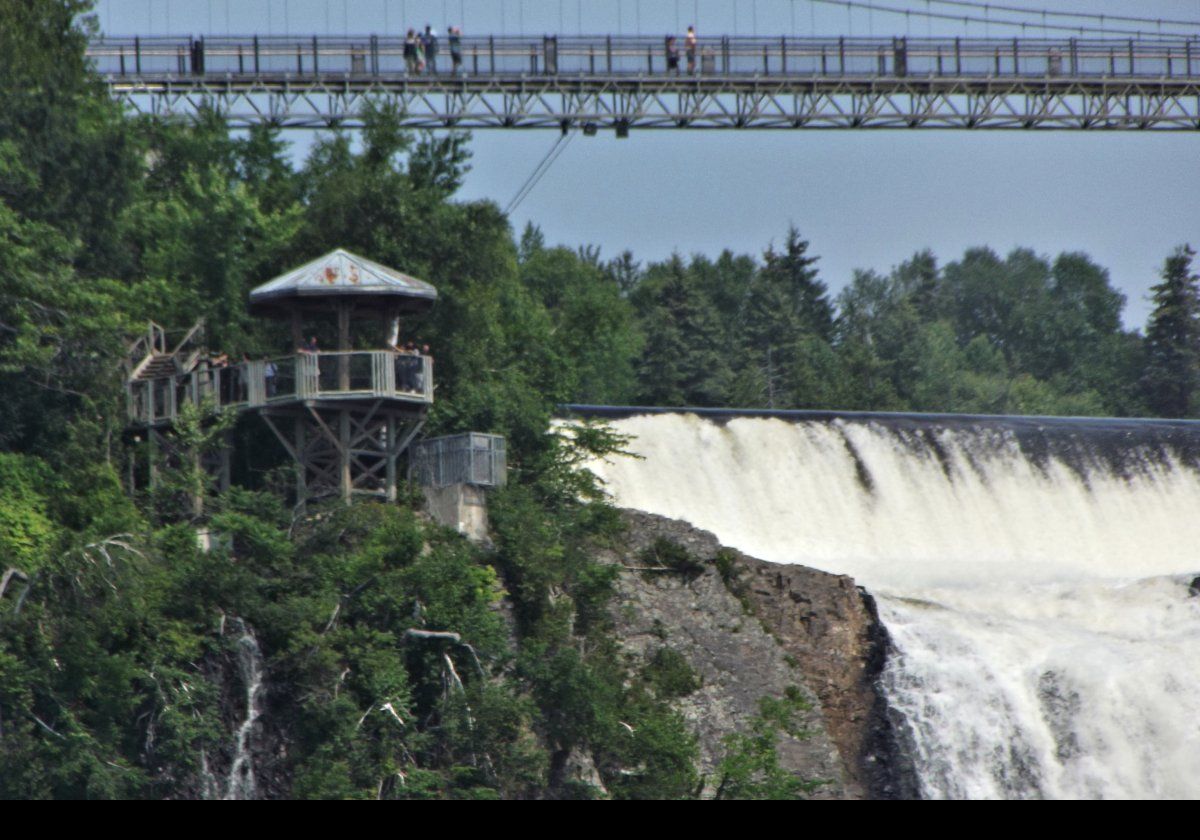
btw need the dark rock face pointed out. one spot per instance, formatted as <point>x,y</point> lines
<point>751,629</point>
<point>831,627</point>
<point>267,740</point>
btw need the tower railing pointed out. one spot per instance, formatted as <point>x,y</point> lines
<point>358,374</point>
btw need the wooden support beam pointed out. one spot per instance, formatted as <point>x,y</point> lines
<point>344,439</point>
<point>324,429</point>
<point>343,320</point>
<point>407,437</point>
<point>301,466</point>
<point>297,329</point>
<point>343,317</point>
<point>389,485</point>
<point>152,446</point>
<point>291,450</point>
<point>362,427</point>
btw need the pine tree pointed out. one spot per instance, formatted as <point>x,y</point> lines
<point>785,310</point>
<point>919,278</point>
<point>1173,339</point>
<point>683,362</point>
<point>788,285</point>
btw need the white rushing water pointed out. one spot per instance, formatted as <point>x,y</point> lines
<point>240,782</point>
<point>1045,641</point>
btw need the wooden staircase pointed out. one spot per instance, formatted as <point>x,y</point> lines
<point>158,366</point>
<point>150,357</point>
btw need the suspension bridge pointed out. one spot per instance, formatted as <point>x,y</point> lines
<point>625,82</point>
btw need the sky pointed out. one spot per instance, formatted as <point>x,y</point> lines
<point>862,199</point>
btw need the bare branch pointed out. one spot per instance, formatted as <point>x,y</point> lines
<point>337,608</point>
<point>414,633</point>
<point>9,574</point>
<point>47,727</point>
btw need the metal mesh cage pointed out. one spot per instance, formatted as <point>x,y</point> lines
<point>470,458</point>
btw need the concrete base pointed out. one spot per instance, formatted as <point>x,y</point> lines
<point>462,507</point>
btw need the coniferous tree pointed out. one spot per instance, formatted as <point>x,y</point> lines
<point>684,362</point>
<point>789,286</point>
<point>1173,339</point>
<point>918,279</point>
<point>786,320</point>
<point>625,272</point>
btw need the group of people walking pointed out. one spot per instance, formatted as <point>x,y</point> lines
<point>421,50</point>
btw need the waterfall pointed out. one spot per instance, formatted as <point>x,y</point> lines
<point>1032,574</point>
<point>240,782</point>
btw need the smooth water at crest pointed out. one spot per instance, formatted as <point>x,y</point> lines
<point>1034,582</point>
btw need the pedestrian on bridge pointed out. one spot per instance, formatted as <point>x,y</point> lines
<point>456,48</point>
<point>410,52</point>
<point>672,56</point>
<point>689,43</point>
<point>430,42</point>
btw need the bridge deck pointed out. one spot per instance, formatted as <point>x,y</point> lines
<point>623,82</point>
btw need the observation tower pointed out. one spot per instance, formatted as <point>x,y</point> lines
<point>345,415</point>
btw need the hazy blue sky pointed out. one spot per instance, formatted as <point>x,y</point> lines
<point>863,199</point>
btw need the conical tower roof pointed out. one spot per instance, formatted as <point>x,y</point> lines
<point>343,276</point>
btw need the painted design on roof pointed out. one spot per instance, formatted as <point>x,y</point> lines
<point>341,272</point>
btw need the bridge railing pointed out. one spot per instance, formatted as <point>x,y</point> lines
<point>254,384</point>
<point>378,56</point>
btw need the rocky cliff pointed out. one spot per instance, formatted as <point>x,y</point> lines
<point>751,629</point>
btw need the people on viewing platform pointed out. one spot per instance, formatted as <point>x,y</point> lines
<point>217,379</point>
<point>270,374</point>
<point>410,367</point>
<point>242,379</point>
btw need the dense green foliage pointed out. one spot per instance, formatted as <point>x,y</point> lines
<point>983,334</point>
<point>750,768</point>
<point>120,639</point>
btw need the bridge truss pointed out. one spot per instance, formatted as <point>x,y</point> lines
<point>626,83</point>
